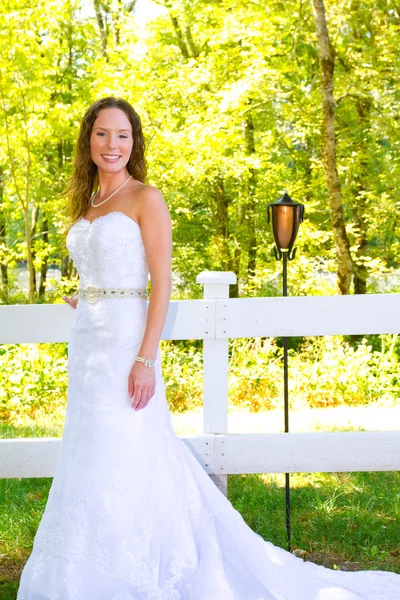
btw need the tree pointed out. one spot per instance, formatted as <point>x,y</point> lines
<point>327,66</point>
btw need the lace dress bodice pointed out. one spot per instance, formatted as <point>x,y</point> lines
<point>109,252</point>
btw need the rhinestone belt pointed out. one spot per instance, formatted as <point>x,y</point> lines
<point>92,293</point>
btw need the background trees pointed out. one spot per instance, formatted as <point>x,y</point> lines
<point>235,100</point>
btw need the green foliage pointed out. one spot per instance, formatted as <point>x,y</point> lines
<point>33,380</point>
<point>323,372</point>
<point>255,376</point>
<point>229,97</point>
<point>330,371</point>
<point>182,372</point>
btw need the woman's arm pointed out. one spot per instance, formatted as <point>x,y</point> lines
<point>156,228</point>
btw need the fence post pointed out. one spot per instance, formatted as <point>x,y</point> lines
<point>215,366</point>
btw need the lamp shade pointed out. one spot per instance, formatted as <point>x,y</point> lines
<point>285,216</point>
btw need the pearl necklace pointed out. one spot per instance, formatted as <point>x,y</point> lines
<point>117,190</point>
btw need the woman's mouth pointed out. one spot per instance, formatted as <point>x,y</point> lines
<point>111,158</point>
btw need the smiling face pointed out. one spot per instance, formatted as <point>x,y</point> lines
<point>111,140</point>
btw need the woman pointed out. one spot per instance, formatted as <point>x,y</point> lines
<point>131,515</point>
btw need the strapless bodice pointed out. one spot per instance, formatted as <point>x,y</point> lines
<point>109,251</point>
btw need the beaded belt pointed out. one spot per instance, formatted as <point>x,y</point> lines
<point>92,293</point>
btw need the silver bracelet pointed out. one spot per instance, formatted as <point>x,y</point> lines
<point>148,362</point>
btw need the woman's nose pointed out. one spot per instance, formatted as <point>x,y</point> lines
<point>112,142</point>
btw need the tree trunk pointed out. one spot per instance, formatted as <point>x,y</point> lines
<point>251,205</point>
<point>117,23</point>
<point>364,106</point>
<point>68,269</point>
<point>222,221</point>
<point>327,66</point>
<point>179,36</point>
<point>23,197</point>
<point>360,270</point>
<point>102,22</point>
<point>184,39</point>
<point>230,256</point>
<point>34,220</point>
<point>45,260</point>
<point>31,272</point>
<point>3,265</point>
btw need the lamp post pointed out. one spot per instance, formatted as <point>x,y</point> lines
<point>285,216</point>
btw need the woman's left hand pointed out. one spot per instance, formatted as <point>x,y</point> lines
<point>141,385</point>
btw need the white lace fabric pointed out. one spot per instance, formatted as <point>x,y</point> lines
<point>131,514</point>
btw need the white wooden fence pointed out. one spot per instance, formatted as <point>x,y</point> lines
<point>215,319</point>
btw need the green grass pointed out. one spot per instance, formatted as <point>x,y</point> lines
<point>345,520</point>
<point>349,521</point>
<point>22,502</point>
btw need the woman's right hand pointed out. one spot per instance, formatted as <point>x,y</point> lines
<point>72,301</point>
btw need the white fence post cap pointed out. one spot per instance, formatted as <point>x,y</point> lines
<point>217,277</point>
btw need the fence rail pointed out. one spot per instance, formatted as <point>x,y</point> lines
<point>215,319</point>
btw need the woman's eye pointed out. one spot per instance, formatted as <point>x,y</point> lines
<point>102,133</point>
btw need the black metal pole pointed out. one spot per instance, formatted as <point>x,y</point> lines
<point>286,399</point>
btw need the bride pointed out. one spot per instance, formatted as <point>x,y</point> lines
<point>131,514</point>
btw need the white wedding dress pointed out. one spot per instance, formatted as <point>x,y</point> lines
<point>131,514</point>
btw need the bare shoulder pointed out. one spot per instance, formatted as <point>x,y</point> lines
<point>149,193</point>
<point>149,203</point>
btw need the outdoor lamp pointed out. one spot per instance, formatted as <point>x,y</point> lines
<point>286,218</point>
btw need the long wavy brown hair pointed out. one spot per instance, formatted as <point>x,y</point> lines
<point>84,178</point>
